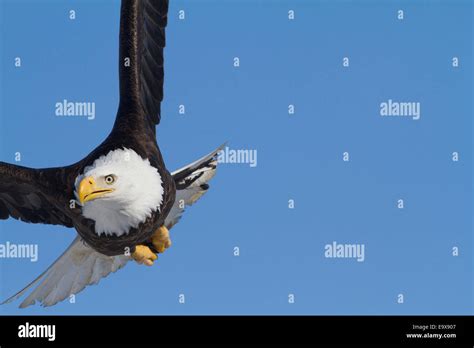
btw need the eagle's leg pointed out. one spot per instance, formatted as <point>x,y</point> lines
<point>161,239</point>
<point>144,255</point>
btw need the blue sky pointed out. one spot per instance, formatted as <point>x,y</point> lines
<point>407,251</point>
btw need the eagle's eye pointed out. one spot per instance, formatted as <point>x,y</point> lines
<point>109,179</point>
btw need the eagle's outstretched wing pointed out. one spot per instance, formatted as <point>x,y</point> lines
<point>81,265</point>
<point>34,195</point>
<point>77,267</point>
<point>142,39</point>
<point>191,184</point>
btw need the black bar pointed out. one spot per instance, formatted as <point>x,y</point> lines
<point>194,330</point>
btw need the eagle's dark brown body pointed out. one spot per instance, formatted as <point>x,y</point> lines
<point>47,195</point>
<point>115,245</point>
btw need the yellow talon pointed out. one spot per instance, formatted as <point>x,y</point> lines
<point>144,255</point>
<point>161,239</point>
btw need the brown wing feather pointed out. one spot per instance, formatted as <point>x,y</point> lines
<point>142,39</point>
<point>34,195</point>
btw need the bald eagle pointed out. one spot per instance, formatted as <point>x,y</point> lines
<point>121,199</point>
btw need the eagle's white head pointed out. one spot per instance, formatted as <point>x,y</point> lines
<point>119,191</point>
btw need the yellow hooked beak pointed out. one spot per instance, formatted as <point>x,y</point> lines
<point>88,190</point>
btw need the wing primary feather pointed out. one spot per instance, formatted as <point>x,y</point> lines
<point>78,266</point>
<point>191,183</point>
